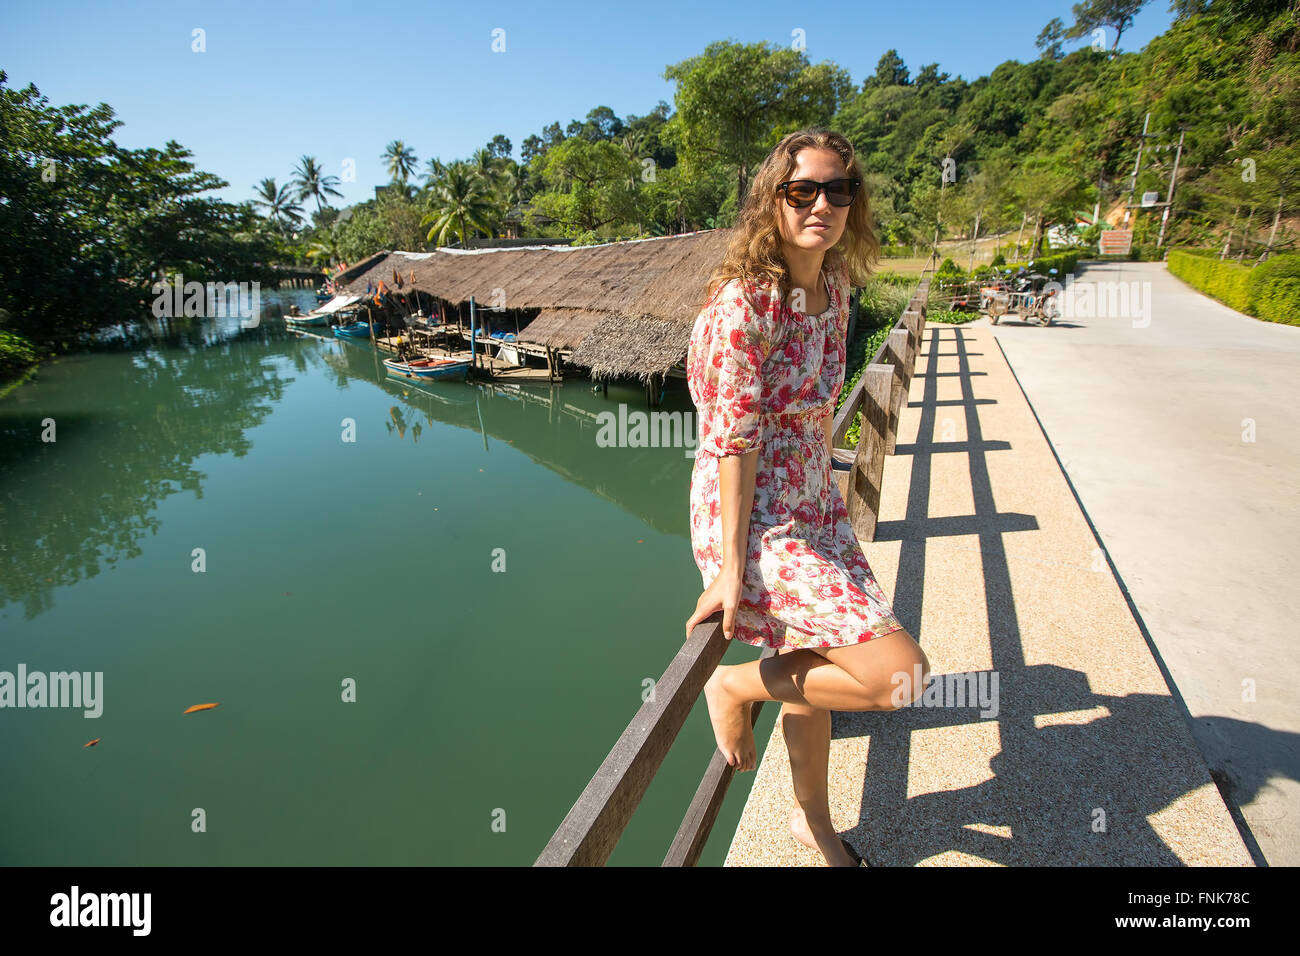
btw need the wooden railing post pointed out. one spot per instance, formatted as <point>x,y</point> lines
<point>895,354</point>
<point>866,476</point>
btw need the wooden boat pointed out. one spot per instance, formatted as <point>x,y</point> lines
<point>307,318</point>
<point>353,330</point>
<point>427,368</point>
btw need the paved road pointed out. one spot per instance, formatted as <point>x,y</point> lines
<point>1151,414</point>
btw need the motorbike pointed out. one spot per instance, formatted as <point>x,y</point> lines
<point>1023,295</point>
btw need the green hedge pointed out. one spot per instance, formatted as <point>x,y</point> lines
<point>1269,291</point>
<point>1226,281</point>
<point>1062,262</point>
<point>1274,287</point>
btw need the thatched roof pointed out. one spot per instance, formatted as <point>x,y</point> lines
<point>624,308</point>
<point>561,329</point>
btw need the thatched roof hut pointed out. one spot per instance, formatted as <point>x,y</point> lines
<point>620,309</point>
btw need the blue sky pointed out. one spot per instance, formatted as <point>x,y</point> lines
<point>339,81</point>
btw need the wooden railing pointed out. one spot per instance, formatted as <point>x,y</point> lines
<point>878,396</point>
<point>592,828</point>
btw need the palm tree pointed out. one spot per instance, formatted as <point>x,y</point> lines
<point>632,143</point>
<point>326,247</point>
<point>434,170</point>
<point>488,168</point>
<point>457,203</point>
<point>401,161</point>
<point>309,181</point>
<point>278,203</point>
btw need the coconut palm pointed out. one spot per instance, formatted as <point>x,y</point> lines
<point>401,161</point>
<point>309,181</point>
<point>326,247</point>
<point>457,203</point>
<point>434,170</point>
<point>278,202</point>
<point>487,167</point>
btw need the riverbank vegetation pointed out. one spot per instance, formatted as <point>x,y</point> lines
<point>1031,150</point>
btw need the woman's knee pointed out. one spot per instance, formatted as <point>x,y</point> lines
<point>892,669</point>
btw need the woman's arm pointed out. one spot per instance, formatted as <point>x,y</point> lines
<point>830,436</point>
<point>736,499</point>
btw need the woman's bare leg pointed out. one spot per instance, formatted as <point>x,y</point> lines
<point>807,732</point>
<point>881,674</point>
<point>885,673</point>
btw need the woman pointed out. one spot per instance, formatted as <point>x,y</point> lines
<point>769,528</point>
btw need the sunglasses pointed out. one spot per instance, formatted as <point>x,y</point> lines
<point>802,193</point>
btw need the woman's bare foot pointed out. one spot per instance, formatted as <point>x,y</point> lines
<point>731,727</point>
<point>825,840</point>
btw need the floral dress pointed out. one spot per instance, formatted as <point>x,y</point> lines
<point>765,377</point>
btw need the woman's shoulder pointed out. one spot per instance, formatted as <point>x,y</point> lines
<point>744,296</point>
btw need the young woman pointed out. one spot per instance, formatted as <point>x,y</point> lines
<point>769,528</point>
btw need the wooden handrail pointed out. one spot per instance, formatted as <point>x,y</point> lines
<point>591,829</point>
<point>588,833</point>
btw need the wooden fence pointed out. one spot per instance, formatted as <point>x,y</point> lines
<point>589,832</point>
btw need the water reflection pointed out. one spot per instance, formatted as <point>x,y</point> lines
<point>132,416</point>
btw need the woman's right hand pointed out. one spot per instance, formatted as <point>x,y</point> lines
<point>723,593</point>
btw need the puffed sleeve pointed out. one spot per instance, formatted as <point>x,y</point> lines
<point>729,344</point>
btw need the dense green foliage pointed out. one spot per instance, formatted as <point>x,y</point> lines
<point>880,303</point>
<point>1274,288</point>
<point>1032,144</point>
<point>1226,281</point>
<point>16,355</point>
<point>1269,291</point>
<point>86,226</point>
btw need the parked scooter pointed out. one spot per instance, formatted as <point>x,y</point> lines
<point>1026,298</point>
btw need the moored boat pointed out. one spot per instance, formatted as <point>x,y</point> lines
<point>353,330</point>
<point>310,318</point>
<point>427,368</point>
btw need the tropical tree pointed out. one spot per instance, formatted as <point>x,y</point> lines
<point>434,170</point>
<point>401,161</point>
<point>1091,15</point>
<point>88,226</point>
<point>589,186</point>
<point>457,204</point>
<point>309,180</point>
<point>735,100</point>
<point>1049,189</point>
<point>279,203</point>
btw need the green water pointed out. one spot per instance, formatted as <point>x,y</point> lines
<point>483,697</point>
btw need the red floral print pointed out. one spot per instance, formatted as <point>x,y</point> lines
<point>764,377</point>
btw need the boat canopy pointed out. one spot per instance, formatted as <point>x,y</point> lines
<point>336,303</point>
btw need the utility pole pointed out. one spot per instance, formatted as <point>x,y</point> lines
<point>1169,202</point>
<point>1137,167</point>
<point>938,215</point>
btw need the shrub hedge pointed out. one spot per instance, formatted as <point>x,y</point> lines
<point>16,355</point>
<point>1269,291</point>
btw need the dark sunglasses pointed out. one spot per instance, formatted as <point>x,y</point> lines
<point>802,193</point>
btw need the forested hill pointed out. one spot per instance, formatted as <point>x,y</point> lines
<point>1047,135</point>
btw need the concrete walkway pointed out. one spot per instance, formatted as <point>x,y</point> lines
<point>1079,753</point>
<point>1201,523</point>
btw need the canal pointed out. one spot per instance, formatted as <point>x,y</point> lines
<point>426,611</point>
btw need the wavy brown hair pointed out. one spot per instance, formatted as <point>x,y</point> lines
<point>755,253</point>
